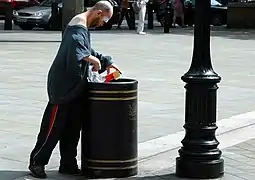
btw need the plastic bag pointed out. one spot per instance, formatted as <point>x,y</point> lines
<point>94,76</point>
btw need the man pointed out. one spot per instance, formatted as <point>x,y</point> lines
<point>124,13</point>
<point>142,13</point>
<point>178,12</point>
<point>67,80</point>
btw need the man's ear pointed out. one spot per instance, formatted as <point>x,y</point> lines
<point>99,12</point>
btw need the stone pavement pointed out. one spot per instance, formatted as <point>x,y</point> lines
<point>157,60</point>
<point>239,164</point>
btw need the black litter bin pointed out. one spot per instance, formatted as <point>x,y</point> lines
<point>109,133</point>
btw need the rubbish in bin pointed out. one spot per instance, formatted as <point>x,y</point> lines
<point>94,76</point>
<point>112,76</point>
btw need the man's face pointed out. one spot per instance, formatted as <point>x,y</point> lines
<point>100,18</point>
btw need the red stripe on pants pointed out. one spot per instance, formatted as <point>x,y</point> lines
<point>52,118</point>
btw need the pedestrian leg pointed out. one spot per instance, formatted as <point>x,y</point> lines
<point>121,17</point>
<point>128,18</point>
<point>141,22</point>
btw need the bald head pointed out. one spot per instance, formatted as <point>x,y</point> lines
<point>99,14</point>
<point>104,6</point>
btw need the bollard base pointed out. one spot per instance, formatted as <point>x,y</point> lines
<point>98,173</point>
<point>186,168</point>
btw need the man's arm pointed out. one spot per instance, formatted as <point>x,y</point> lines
<point>95,61</point>
<point>82,52</point>
<point>105,60</point>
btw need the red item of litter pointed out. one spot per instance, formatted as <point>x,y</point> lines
<point>112,76</point>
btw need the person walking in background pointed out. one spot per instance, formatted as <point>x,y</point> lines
<point>142,13</point>
<point>178,12</point>
<point>124,13</point>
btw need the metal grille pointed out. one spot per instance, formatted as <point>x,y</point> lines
<point>24,14</point>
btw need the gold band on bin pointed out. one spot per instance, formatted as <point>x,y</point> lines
<point>112,161</point>
<point>112,168</point>
<point>114,92</point>
<point>113,98</point>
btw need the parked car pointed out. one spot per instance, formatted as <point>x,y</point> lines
<point>36,16</point>
<point>218,12</point>
<point>40,16</point>
<point>16,5</point>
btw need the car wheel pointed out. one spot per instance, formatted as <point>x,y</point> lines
<point>217,20</point>
<point>26,27</point>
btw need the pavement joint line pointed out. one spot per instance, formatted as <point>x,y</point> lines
<point>246,149</point>
<point>234,175</point>
<point>10,159</point>
<point>236,137</point>
<point>235,129</point>
<point>226,157</point>
<point>24,98</point>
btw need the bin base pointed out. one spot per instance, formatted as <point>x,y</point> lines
<point>94,173</point>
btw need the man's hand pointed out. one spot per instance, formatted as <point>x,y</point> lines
<point>114,66</point>
<point>95,62</point>
<point>96,65</point>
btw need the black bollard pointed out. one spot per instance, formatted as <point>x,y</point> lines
<point>199,156</point>
<point>167,18</point>
<point>8,16</point>
<point>150,14</point>
<point>109,131</point>
<point>54,16</point>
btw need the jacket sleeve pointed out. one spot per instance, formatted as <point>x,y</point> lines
<point>105,60</point>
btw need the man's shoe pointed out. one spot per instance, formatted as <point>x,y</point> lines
<point>37,171</point>
<point>73,170</point>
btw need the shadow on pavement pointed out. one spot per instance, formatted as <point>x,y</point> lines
<point>11,175</point>
<point>25,175</point>
<point>54,175</point>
